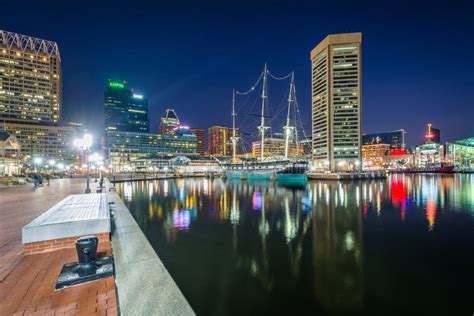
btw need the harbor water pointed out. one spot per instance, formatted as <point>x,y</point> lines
<point>400,245</point>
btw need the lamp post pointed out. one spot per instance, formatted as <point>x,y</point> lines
<point>84,144</point>
<point>97,160</point>
<point>37,162</point>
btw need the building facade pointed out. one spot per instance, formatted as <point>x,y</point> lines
<point>169,122</point>
<point>30,80</point>
<point>461,153</point>
<point>374,156</point>
<point>219,143</point>
<point>124,109</point>
<point>336,102</point>
<point>395,139</point>
<point>201,139</point>
<point>123,147</point>
<point>275,147</point>
<point>31,97</point>
<point>46,141</point>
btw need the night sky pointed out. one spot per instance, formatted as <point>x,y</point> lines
<point>418,60</point>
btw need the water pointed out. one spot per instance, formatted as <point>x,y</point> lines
<point>385,247</point>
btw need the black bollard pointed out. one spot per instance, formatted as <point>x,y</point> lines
<point>86,248</point>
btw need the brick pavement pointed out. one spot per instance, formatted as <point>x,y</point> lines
<point>21,204</point>
<point>27,282</point>
<point>29,288</point>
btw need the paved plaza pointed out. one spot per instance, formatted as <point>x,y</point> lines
<point>27,282</point>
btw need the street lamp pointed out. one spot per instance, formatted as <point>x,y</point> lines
<point>96,159</point>
<point>84,144</point>
<point>37,162</point>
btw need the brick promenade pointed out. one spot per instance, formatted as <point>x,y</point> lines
<point>27,282</point>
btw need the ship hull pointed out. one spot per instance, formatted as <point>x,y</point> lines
<point>289,179</point>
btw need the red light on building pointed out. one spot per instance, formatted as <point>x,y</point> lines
<point>398,152</point>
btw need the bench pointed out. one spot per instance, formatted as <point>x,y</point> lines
<point>59,227</point>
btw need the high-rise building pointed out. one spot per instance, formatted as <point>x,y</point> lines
<point>395,139</point>
<point>169,121</point>
<point>125,110</point>
<point>219,143</point>
<point>201,138</point>
<point>30,79</point>
<point>31,97</point>
<point>336,102</point>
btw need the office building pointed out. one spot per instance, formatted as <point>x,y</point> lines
<point>125,110</point>
<point>219,143</point>
<point>124,147</point>
<point>30,80</point>
<point>275,147</point>
<point>31,98</point>
<point>169,121</point>
<point>336,102</point>
<point>433,134</point>
<point>46,141</point>
<point>395,139</point>
<point>201,138</point>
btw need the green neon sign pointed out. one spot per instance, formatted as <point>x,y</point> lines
<point>116,84</point>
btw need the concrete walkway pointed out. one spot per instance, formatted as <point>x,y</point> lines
<point>21,204</point>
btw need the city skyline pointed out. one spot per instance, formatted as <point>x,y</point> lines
<point>164,72</point>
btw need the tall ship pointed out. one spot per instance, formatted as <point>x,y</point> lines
<point>281,168</point>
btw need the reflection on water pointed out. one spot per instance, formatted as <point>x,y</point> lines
<point>330,248</point>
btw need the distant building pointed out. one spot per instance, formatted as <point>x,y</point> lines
<point>124,147</point>
<point>395,139</point>
<point>374,156</point>
<point>433,135</point>
<point>337,102</point>
<point>429,155</point>
<point>275,147</point>
<point>461,153</point>
<point>30,80</point>
<point>201,138</point>
<point>169,121</point>
<point>46,141</point>
<point>219,143</point>
<point>307,147</point>
<point>125,110</point>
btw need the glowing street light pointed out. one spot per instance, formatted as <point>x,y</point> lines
<point>84,144</point>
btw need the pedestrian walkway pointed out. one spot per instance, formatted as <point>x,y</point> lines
<point>27,282</point>
<point>20,205</point>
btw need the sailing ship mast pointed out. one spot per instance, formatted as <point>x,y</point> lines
<point>234,137</point>
<point>262,126</point>
<point>287,129</point>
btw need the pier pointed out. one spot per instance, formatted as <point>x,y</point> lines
<point>29,268</point>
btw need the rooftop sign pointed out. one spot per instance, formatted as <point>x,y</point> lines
<point>116,84</point>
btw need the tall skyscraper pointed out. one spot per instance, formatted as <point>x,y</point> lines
<point>31,97</point>
<point>125,110</point>
<point>219,143</point>
<point>169,121</point>
<point>30,79</point>
<point>201,136</point>
<point>336,102</point>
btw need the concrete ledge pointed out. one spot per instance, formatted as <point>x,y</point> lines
<point>76,215</point>
<point>144,286</point>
